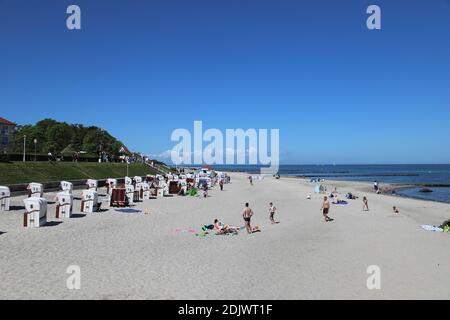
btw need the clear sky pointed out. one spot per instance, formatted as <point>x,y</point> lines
<point>338,92</point>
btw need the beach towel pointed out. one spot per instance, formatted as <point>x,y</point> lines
<point>340,202</point>
<point>128,210</point>
<point>428,227</point>
<point>192,192</point>
<point>184,230</point>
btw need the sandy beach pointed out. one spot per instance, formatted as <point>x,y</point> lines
<point>141,256</point>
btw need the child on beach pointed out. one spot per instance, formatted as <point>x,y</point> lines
<point>365,204</point>
<point>326,209</point>
<point>272,210</point>
<point>205,190</point>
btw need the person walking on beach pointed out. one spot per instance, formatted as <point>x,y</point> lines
<point>251,180</point>
<point>247,215</point>
<point>365,204</point>
<point>221,184</point>
<point>326,209</point>
<point>375,186</point>
<point>272,210</point>
<point>205,190</point>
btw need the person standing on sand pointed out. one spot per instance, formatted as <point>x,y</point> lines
<point>365,204</point>
<point>251,180</point>
<point>326,209</point>
<point>247,215</point>
<point>221,184</point>
<point>272,210</point>
<point>205,190</point>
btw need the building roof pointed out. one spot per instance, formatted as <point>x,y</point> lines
<point>124,149</point>
<point>7,122</point>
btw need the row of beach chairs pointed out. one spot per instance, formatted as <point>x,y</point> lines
<point>118,195</point>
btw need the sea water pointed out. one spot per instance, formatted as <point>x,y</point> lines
<point>423,174</point>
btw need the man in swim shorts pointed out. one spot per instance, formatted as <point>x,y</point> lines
<point>325,209</point>
<point>247,215</point>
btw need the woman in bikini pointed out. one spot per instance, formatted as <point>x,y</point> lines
<point>365,204</point>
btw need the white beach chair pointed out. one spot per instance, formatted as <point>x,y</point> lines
<point>92,184</point>
<point>67,186</point>
<point>64,205</point>
<point>129,193</point>
<point>183,184</point>
<point>137,179</point>
<point>138,188</point>
<point>35,212</point>
<point>145,191</point>
<point>128,181</point>
<point>160,186</point>
<point>35,190</point>
<point>89,201</point>
<point>5,198</point>
<point>110,184</point>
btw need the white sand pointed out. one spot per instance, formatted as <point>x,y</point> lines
<point>138,256</point>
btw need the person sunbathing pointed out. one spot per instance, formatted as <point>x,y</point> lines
<point>220,227</point>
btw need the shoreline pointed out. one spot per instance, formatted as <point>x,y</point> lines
<point>391,186</point>
<point>369,188</point>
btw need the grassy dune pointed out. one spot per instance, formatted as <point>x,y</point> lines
<point>19,172</point>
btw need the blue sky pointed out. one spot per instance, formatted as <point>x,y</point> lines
<point>338,92</point>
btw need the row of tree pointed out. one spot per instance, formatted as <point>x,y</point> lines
<point>63,138</point>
